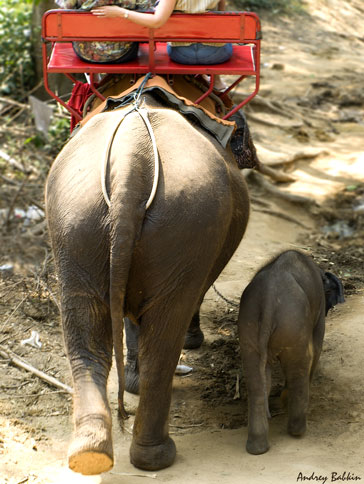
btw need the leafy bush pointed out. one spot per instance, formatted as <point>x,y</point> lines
<point>57,137</point>
<point>16,67</point>
<point>59,133</point>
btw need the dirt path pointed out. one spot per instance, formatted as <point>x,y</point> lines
<point>309,121</point>
<point>207,430</point>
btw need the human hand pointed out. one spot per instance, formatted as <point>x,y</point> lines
<point>108,11</point>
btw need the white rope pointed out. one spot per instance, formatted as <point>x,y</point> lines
<point>144,115</point>
<point>105,161</point>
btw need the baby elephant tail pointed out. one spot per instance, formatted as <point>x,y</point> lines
<point>334,291</point>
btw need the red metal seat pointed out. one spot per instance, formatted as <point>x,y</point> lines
<point>61,27</point>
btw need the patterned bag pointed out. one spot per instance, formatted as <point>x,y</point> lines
<point>105,52</point>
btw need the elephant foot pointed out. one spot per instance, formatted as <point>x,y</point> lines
<point>194,339</point>
<point>257,445</point>
<point>131,378</point>
<point>131,372</point>
<point>297,426</point>
<point>153,457</point>
<point>91,450</point>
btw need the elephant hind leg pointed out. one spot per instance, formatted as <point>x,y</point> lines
<point>88,338</point>
<point>161,339</point>
<point>193,339</point>
<point>258,387</point>
<point>297,367</point>
<point>194,336</point>
<point>317,339</point>
<point>132,366</point>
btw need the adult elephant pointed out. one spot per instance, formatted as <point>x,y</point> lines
<point>151,265</point>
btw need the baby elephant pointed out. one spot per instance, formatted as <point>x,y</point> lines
<point>282,316</point>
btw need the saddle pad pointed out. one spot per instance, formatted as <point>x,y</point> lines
<point>219,128</point>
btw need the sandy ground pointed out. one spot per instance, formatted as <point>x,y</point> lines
<point>34,446</point>
<point>308,121</point>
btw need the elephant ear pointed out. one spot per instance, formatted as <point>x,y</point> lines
<point>334,291</point>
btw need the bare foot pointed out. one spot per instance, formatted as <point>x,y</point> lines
<point>219,84</point>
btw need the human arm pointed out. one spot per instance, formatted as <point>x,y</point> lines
<point>154,20</point>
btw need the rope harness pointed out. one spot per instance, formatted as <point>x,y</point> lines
<point>135,100</point>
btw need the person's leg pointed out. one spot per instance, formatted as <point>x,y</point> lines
<point>211,54</point>
<point>202,54</point>
<point>183,54</point>
<point>219,84</point>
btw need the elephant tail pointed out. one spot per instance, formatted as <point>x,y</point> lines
<point>117,313</point>
<point>130,187</point>
<point>126,221</point>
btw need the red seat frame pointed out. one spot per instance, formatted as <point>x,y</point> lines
<point>242,29</point>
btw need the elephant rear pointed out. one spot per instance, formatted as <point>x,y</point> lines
<point>152,265</point>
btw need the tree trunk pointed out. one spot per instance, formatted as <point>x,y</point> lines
<point>58,82</point>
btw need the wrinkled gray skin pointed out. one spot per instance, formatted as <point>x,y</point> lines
<point>282,316</point>
<point>152,266</point>
<point>193,339</point>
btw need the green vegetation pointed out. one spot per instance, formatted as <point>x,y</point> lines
<point>58,134</point>
<point>16,68</point>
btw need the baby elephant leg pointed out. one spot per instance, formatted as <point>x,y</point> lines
<point>258,389</point>
<point>296,367</point>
